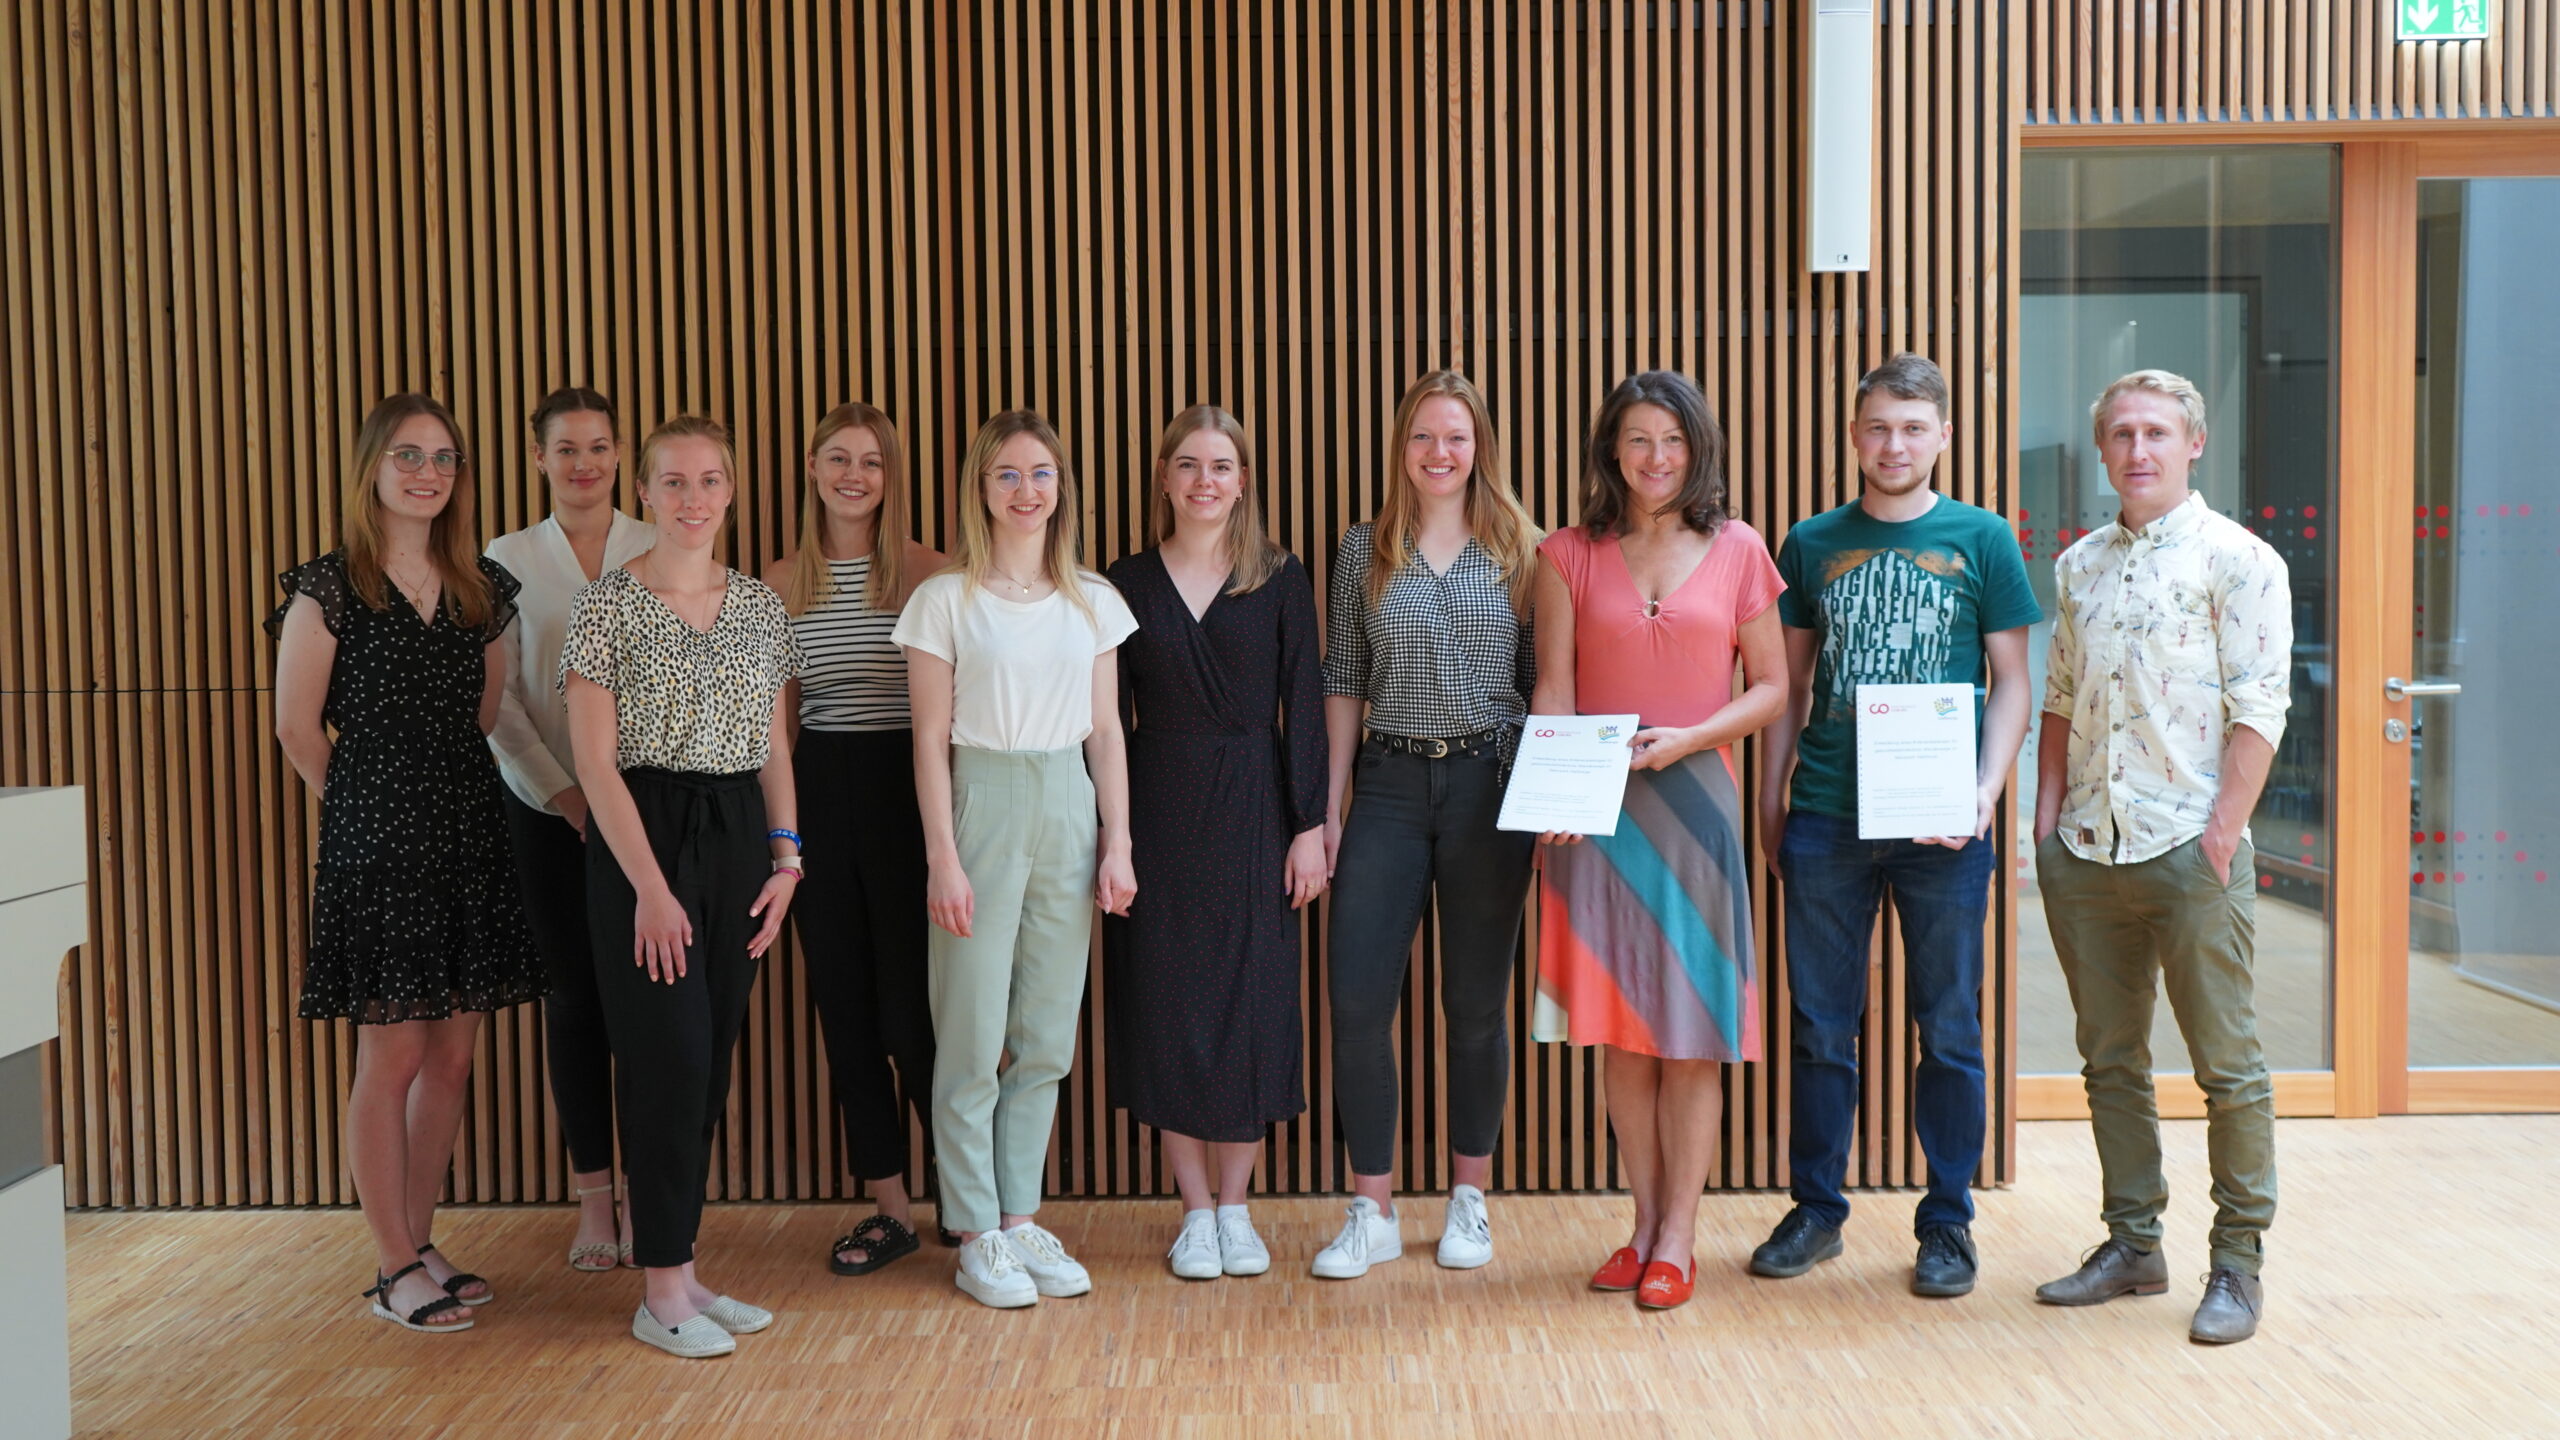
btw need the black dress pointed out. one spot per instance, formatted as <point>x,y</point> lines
<point>1226,767</point>
<point>416,914</point>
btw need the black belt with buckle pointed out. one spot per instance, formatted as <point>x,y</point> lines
<point>1437,747</point>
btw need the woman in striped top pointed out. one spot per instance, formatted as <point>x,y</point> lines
<point>862,918</point>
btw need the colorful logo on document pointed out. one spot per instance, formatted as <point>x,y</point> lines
<point>1944,705</point>
<point>1608,733</point>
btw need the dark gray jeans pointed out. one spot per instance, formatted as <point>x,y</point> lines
<point>1417,824</point>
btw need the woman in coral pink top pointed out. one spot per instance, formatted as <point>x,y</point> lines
<point>1644,936</point>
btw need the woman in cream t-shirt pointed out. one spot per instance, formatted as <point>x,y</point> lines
<point>1012,666</point>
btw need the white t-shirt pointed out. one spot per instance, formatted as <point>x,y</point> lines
<point>1021,671</point>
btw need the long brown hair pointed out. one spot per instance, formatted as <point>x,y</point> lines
<point>811,584</point>
<point>1700,503</point>
<point>1495,516</point>
<point>453,543</point>
<point>1062,558</point>
<point>1250,554</point>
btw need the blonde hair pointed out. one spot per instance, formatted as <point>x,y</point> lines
<point>452,537</point>
<point>1062,558</point>
<point>2156,382</point>
<point>1495,516</point>
<point>1250,553</point>
<point>691,427</point>
<point>810,583</point>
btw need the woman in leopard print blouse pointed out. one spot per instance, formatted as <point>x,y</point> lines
<point>674,668</point>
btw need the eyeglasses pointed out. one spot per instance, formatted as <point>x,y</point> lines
<point>1043,478</point>
<point>409,459</point>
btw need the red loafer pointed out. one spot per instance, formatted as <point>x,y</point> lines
<point>1664,1287</point>
<point>1620,1273</point>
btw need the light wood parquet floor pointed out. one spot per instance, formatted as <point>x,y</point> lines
<point>2412,1285</point>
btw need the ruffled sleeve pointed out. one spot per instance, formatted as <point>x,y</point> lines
<point>503,588</point>
<point>587,648</point>
<point>325,581</point>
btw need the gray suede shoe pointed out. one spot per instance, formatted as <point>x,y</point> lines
<point>2229,1311</point>
<point>2114,1268</point>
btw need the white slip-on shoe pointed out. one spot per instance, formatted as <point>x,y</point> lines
<point>1466,1238</point>
<point>992,1274</point>
<point>737,1316</point>
<point>696,1339</point>
<point>1195,1250</point>
<point>1053,1270</point>
<point>1367,1238</point>
<point>1240,1250</point>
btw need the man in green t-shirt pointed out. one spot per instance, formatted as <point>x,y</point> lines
<point>1901,586</point>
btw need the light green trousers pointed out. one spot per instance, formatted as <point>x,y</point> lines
<point>2121,931</point>
<point>1025,823</point>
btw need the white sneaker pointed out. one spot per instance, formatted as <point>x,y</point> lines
<point>737,1316</point>
<point>1240,1250</point>
<point>1367,1238</point>
<point>1466,1238</point>
<point>1195,1250</point>
<point>992,1274</point>
<point>1053,1270</point>
<point>699,1338</point>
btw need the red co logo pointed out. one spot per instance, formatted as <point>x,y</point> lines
<point>1879,708</point>
<point>1546,734</point>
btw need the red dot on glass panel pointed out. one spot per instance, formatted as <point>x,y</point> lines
<point>2540,876</point>
<point>2460,836</point>
<point>2444,532</point>
<point>2310,532</point>
<point>2266,512</point>
<point>2306,839</point>
<point>2310,512</point>
<point>2422,512</point>
<point>2418,878</point>
<point>2266,882</point>
<point>2502,837</point>
<point>2459,877</point>
<point>2439,877</point>
<point>2483,510</point>
<point>2502,509</point>
<point>2524,510</point>
<point>2519,857</point>
<point>2444,512</point>
<point>2439,837</point>
<point>2417,837</point>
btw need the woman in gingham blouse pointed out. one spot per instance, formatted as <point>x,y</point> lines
<point>1426,677</point>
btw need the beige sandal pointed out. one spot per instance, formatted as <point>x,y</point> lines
<point>599,1256</point>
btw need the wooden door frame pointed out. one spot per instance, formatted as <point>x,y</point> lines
<point>2379,170</point>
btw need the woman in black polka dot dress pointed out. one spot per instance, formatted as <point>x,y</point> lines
<point>417,925</point>
<point>1223,687</point>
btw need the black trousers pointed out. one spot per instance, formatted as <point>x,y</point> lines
<point>672,1042</point>
<point>862,935</point>
<point>1418,826</point>
<point>552,862</point>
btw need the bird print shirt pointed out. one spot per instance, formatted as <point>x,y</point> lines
<point>2164,639</point>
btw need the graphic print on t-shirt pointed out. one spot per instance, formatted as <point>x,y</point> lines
<point>1886,617</point>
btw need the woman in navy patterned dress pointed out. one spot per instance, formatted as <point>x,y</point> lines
<point>1223,693</point>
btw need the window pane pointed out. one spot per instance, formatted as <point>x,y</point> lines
<point>2219,265</point>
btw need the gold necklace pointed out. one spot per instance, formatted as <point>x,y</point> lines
<point>1009,577</point>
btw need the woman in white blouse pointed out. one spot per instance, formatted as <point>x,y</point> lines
<point>674,668</point>
<point>1013,673</point>
<point>577,448</point>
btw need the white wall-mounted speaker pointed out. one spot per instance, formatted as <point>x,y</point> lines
<point>1839,160</point>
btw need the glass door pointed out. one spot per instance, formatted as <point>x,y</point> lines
<point>2482,985</point>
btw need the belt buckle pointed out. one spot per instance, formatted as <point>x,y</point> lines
<point>1439,749</point>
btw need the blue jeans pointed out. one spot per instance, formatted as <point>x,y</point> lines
<point>1835,883</point>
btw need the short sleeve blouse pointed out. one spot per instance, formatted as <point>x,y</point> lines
<point>1670,663</point>
<point>684,699</point>
<point>1021,671</point>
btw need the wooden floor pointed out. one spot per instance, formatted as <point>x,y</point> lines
<point>2412,1285</point>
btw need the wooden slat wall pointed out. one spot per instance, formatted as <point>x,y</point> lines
<point>228,227</point>
<point>2135,62</point>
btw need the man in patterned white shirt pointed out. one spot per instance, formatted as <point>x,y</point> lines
<point>2165,697</point>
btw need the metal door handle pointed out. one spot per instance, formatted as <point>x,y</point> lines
<point>2396,689</point>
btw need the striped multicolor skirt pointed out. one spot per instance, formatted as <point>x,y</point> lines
<point>1644,937</point>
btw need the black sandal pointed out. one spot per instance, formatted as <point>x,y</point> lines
<point>946,1237</point>
<point>416,1319</point>
<point>881,1239</point>
<point>461,1280</point>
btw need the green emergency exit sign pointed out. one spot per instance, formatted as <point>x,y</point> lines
<point>2444,19</point>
